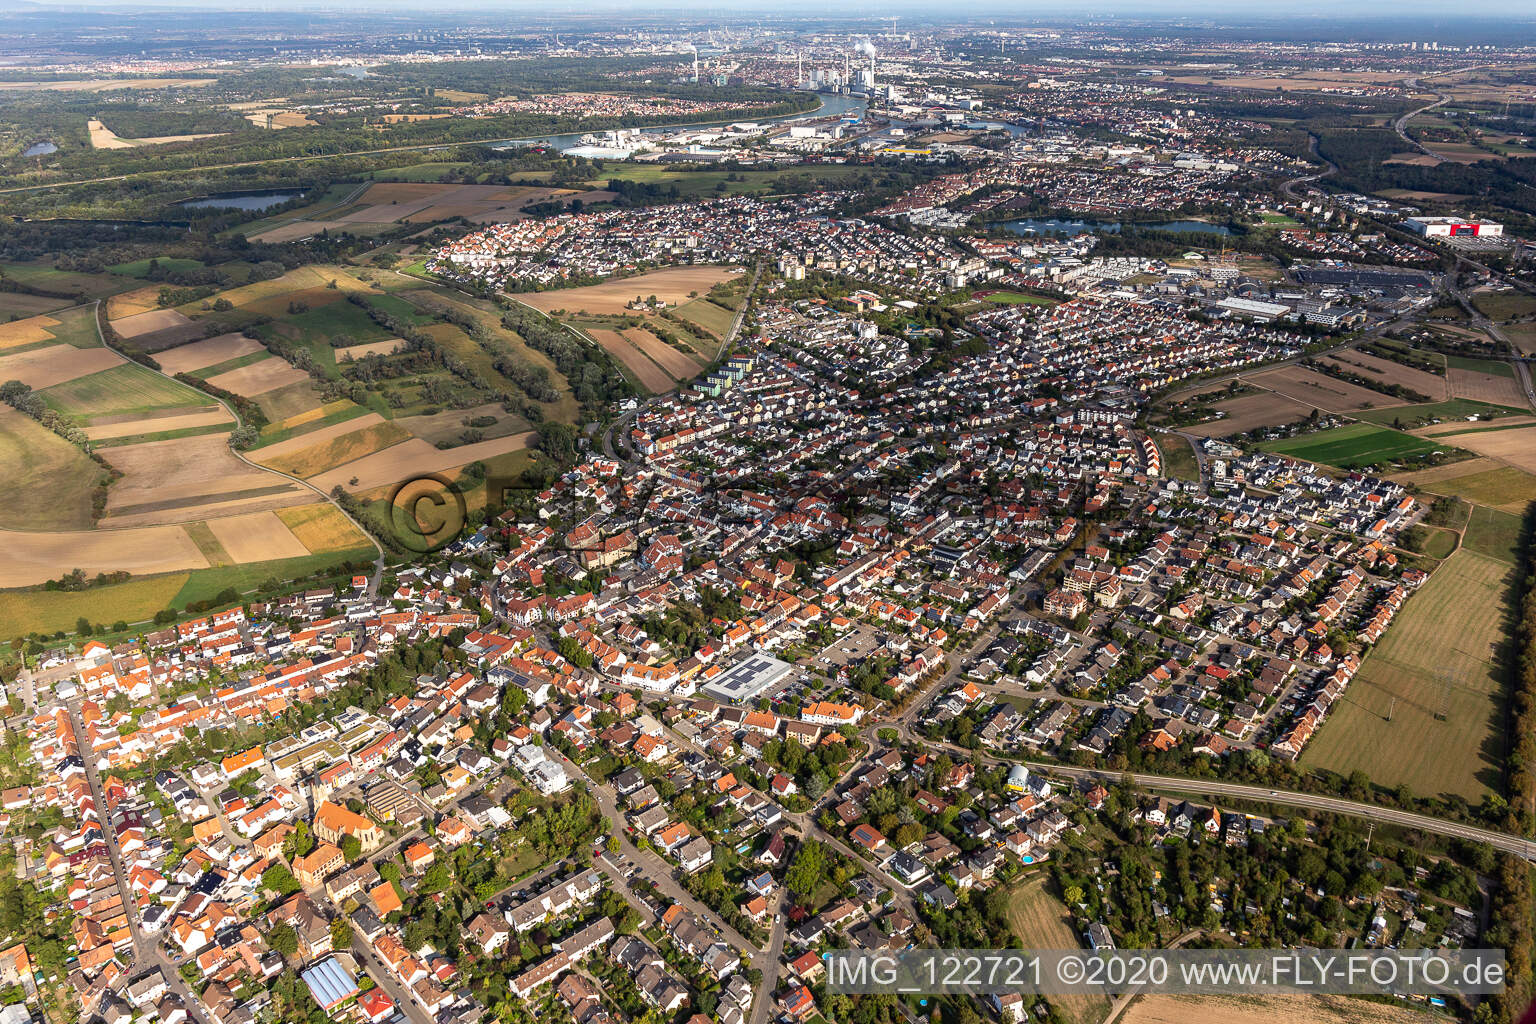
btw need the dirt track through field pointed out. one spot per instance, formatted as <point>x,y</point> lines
<point>173,481</point>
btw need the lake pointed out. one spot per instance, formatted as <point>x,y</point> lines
<point>244,201</point>
<point>40,149</point>
<point>1056,226</point>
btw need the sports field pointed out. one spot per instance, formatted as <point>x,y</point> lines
<point>1355,446</point>
<point>1440,661</point>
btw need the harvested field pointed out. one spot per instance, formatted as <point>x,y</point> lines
<point>1523,337</point>
<point>174,481</point>
<point>45,367</point>
<point>323,453</point>
<point>1317,389</point>
<point>671,286</point>
<point>140,300</point>
<point>1516,446</point>
<point>103,137</point>
<point>51,482</point>
<point>34,558</point>
<point>409,458</point>
<point>1449,696</point>
<point>256,537</point>
<point>321,527</point>
<point>26,332</point>
<point>277,118</point>
<point>1250,411</point>
<point>668,358</point>
<point>651,377</point>
<point>17,304</point>
<point>373,348</point>
<point>1389,372</point>
<point>1486,387</point>
<point>106,84</point>
<point>137,424</point>
<point>259,377</point>
<point>1041,921</point>
<point>139,324</point>
<point>206,353</point>
<point>1271,1009</point>
<point>295,230</point>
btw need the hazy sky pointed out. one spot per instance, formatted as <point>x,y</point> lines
<point>1222,10</point>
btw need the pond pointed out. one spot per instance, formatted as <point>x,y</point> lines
<point>1059,226</point>
<point>40,149</point>
<point>242,201</point>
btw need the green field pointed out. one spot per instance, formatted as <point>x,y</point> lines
<point>1493,366</point>
<point>169,264</point>
<point>1018,299</point>
<point>706,314</point>
<point>421,172</point>
<point>1504,305</point>
<point>1440,543</point>
<point>68,282</point>
<point>1439,660</point>
<point>49,481</point>
<point>203,584</point>
<point>1494,533</point>
<point>1503,487</point>
<point>1418,415</point>
<point>29,611</point>
<point>1179,460</point>
<point>123,389</point>
<point>1355,446</point>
